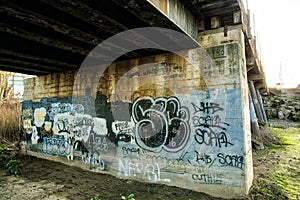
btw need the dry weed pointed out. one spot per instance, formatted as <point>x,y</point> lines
<point>10,116</point>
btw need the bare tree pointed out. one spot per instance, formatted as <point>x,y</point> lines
<point>5,90</point>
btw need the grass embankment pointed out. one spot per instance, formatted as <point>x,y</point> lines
<point>278,167</point>
<point>287,174</point>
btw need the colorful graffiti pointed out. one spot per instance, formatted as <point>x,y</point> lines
<point>190,135</point>
<point>72,109</point>
<point>39,116</point>
<point>27,120</point>
<point>56,146</point>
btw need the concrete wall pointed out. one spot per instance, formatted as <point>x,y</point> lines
<point>178,119</point>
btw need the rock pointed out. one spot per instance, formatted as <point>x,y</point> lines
<point>268,113</point>
<point>285,111</point>
<point>277,102</point>
<point>271,113</point>
<point>283,106</point>
<point>296,105</point>
<point>280,115</point>
<point>296,117</point>
<point>291,108</point>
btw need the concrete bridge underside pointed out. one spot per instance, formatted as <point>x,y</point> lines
<point>205,112</point>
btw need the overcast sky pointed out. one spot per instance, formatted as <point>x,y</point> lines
<point>278,33</point>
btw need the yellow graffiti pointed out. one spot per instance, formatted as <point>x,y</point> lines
<point>39,116</point>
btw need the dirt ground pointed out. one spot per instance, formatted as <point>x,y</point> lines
<point>43,179</point>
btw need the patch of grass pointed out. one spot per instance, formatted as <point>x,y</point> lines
<point>277,166</point>
<point>275,147</point>
<point>287,173</point>
<point>289,136</point>
<point>266,189</point>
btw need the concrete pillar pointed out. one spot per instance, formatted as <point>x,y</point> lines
<point>255,101</point>
<point>254,124</point>
<point>234,77</point>
<point>261,104</point>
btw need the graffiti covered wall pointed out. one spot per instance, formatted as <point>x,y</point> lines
<point>189,134</point>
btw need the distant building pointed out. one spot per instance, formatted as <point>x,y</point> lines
<point>16,81</point>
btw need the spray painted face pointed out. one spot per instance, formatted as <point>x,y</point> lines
<point>39,116</point>
<point>27,125</point>
<point>48,125</point>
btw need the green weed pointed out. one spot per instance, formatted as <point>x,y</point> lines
<point>13,167</point>
<point>129,197</point>
<point>3,152</point>
<point>94,198</point>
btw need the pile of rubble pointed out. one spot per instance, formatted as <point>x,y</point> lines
<point>283,105</point>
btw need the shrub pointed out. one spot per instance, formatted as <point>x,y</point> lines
<point>13,167</point>
<point>3,152</point>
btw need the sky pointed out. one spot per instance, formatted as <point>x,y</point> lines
<point>278,38</point>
